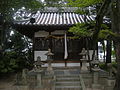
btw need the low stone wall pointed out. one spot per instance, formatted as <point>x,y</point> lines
<point>104,82</point>
<point>47,84</point>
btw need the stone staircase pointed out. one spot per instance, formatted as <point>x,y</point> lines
<point>68,81</point>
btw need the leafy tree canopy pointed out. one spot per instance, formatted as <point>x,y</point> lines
<point>82,29</point>
<point>9,7</point>
<point>87,30</point>
<point>83,3</point>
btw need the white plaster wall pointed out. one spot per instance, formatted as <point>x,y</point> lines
<point>41,54</point>
<point>58,32</point>
<point>55,65</point>
<point>41,34</point>
<point>45,34</point>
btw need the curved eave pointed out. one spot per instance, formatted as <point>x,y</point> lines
<point>50,21</point>
<point>29,30</point>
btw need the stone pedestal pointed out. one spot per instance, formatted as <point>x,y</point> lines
<point>111,82</point>
<point>39,77</point>
<point>110,79</point>
<point>49,69</point>
<point>84,65</point>
<point>39,80</point>
<point>35,78</point>
<point>95,84</point>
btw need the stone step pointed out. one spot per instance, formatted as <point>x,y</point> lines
<point>62,87</point>
<point>67,79</point>
<point>68,83</point>
<point>71,76</point>
<point>68,89</point>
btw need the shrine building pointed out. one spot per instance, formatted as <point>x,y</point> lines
<point>48,29</point>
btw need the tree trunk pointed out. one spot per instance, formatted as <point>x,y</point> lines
<point>99,20</point>
<point>117,85</point>
<point>108,54</point>
<point>115,17</point>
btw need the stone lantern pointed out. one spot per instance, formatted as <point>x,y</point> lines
<point>83,59</point>
<point>38,63</point>
<point>38,71</point>
<point>95,62</point>
<point>49,60</point>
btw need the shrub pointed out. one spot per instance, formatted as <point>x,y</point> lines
<point>11,62</point>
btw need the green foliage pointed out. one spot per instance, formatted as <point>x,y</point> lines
<point>9,7</point>
<point>83,3</point>
<point>16,54</point>
<point>82,29</point>
<point>87,30</point>
<point>106,34</point>
<point>114,64</point>
<point>113,53</point>
<point>104,67</point>
<point>54,3</point>
<point>11,62</point>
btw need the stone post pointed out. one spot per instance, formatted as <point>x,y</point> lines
<point>95,69</point>
<point>49,68</point>
<point>37,82</point>
<point>21,81</point>
<point>24,76</point>
<point>95,84</point>
<point>111,78</point>
<point>39,79</point>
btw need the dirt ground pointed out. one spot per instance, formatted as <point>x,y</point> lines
<point>7,81</point>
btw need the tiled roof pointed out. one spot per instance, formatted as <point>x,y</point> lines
<point>56,18</point>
